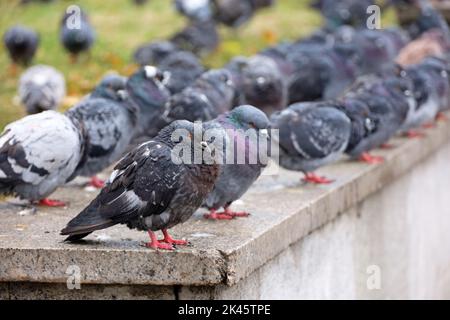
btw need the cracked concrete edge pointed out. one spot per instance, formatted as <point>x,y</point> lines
<point>316,214</point>
<point>207,269</point>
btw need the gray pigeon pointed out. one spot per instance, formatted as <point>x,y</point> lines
<point>148,89</point>
<point>41,88</point>
<point>21,43</point>
<point>311,135</point>
<point>262,84</point>
<point>154,187</point>
<point>426,94</point>
<point>154,53</point>
<point>184,68</point>
<point>110,121</point>
<point>199,37</point>
<point>38,154</point>
<point>211,95</point>
<point>76,37</point>
<point>242,131</point>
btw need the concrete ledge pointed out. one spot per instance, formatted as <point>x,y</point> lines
<point>283,212</point>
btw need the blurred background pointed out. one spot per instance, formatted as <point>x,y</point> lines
<point>121,26</point>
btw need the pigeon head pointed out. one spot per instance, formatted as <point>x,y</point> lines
<point>148,87</point>
<point>154,53</point>
<point>248,117</point>
<point>185,134</point>
<point>110,87</point>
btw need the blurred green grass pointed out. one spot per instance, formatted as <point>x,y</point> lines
<point>121,27</point>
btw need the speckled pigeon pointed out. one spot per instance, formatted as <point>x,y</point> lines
<point>110,121</point>
<point>38,154</point>
<point>199,37</point>
<point>311,135</point>
<point>21,43</point>
<point>211,95</point>
<point>242,130</point>
<point>76,37</point>
<point>184,68</point>
<point>41,88</point>
<point>154,53</point>
<point>152,188</point>
<point>148,89</point>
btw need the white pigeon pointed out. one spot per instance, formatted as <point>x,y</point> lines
<point>39,153</point>
<point>41,88</point>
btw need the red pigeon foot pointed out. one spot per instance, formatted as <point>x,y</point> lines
<point>387,146</point>
<point>96,182</point>
<point>213,215</point>
<point>370,159</point>
<point>51,203</point>
<point>441,117</point>
<point>412,134</point>
<point>155,244</point>
<point>313,178</point>
<point>168,239</point>
<point>429,125</point>
<point>234,214</point>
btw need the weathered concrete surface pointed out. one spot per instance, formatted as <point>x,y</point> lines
<point>400,235</point>
<point>221,253</point>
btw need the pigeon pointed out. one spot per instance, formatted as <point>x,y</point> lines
<point>21,43</point>
<point>197,10</point>
<point>41,88</point>
<point>428,18</point>
<point>260,83</point>
<point>243,132</point>
<point>154,53</point>
<point>235,13</point>
<point>439,70</point>
<point>184,68</point>
<point>152,188</point>
<point>76,33</point>
<point>427,96</point>
<point>320,72</point>
<point>211,95</point>
<point>430,43</point>
<point>378,48</point>
<point>148,89</point>
<point>110,119</point>
<point>311,135</point>
<point>199,37</point>
<point>343,12</point>
<point>38,154</point>
<point>389,101</point>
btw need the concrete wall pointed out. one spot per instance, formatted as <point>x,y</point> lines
<point>402,232</point>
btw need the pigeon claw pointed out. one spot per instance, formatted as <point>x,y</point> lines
<point>213,215</point>
<point>168,239</point>
<point>387,146</point>
<point>155,244</point>
<point>370,159</point>
<point>441,117</point>
<point>413,134</point>
<point>96,182</point>
<point>429,125</point>
<point>311,177</point>
<point>51,203</point>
